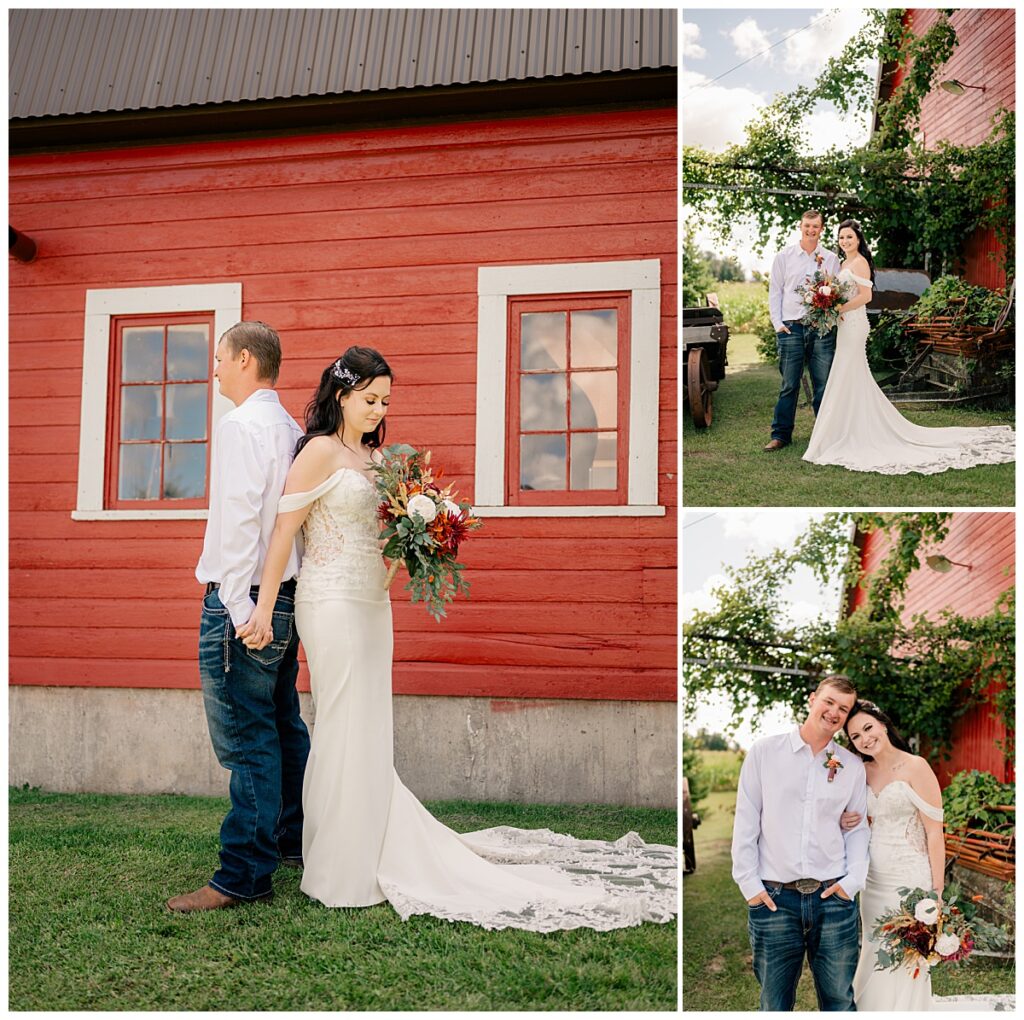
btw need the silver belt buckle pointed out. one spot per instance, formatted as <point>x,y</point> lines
<point>807,885</point>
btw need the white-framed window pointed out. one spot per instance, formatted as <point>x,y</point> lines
<point>125,413</point>
<point>508,455</point>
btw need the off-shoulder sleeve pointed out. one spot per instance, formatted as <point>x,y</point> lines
<point>297,500</point>
<point>863,282</point>
<point>928,810</point>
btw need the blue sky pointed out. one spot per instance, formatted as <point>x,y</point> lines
<point>714,113</point>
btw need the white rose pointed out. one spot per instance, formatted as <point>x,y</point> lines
<point>825,289</point>
<point>451,507</point>
<point>423,507</point>
<point>927,911</point>
<point>808,299</point>
<point>946,944</point>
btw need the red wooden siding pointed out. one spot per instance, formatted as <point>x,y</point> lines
<point>369,237</point>
<point>985,56</point>
<point>985,541</point>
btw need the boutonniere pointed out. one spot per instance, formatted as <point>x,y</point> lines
<point>833,764</point>
<point>818,259</point>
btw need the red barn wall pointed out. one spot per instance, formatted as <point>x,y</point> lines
<point>985,56</point>
<point>373,237</point>
<point>986,542</point>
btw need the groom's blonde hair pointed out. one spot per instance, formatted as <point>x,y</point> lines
<point>814,214</point>
<point>840,681</point>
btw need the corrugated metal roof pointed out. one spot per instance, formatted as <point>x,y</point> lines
<point>65,61</point>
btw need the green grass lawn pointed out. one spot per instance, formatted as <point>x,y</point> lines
<point>726,466</point>
<point>89,930</point>
<point>717,969</point>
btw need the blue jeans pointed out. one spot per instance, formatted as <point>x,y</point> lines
<point>801,345</point>
<point>252,709</point>
<point>825,930</point>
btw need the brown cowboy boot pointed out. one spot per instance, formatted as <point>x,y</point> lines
<point>206,898</point>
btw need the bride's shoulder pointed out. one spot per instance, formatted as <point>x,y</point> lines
<point>858,265</point>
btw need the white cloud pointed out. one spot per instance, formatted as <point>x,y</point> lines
<point>702,600</point>
<point>751,40</point>
<point>826,129</point>
<point>691,46</point>
<point>807,52</point>
<point>764,530</point>
<point>714,116</point>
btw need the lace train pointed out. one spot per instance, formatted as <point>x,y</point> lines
<point>859,429</point>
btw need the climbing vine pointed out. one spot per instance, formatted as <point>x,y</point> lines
<point>925,672</point>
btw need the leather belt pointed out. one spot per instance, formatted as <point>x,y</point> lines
<point>805,886</point>
<point>286,586</point>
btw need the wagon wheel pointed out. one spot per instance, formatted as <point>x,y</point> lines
<point>699,386</point>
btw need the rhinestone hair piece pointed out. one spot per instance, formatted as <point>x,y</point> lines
<point>345,374</point>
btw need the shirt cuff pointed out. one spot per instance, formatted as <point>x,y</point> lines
<point>850,885</point>
<point>751,887</point>
<point>240,611</point>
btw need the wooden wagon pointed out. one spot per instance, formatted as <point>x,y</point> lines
<point>705,342</point>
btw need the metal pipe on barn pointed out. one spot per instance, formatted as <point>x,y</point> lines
<point>20,245</point>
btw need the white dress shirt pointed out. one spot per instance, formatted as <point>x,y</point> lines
<point>787,816</point>
<point>252,452</point>
<point>790,270</point>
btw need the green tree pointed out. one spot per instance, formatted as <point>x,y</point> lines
<point>697,279</point>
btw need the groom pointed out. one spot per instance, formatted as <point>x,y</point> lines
<point>796,868</point>
<point>798,344</point>
<point>252,707</point>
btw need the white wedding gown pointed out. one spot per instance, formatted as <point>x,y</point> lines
<point>898,858</point>
<point>366,838</point>
<point>859,429</point>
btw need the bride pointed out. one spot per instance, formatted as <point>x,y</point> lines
<point>857,427</point>
<point>366,838</point>
<point>907,850</point>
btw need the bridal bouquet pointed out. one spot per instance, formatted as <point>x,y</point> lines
<point>923,931</point>
<point>423,525</point>
<point>823,294</point>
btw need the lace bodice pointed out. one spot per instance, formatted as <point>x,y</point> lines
<point>845,276</point>
<point>342,554</point>
<point>896,819</point>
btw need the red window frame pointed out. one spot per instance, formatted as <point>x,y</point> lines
<point>568,303</point>
<point>114,387</point>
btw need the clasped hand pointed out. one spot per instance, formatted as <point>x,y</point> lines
<point>258,631</point>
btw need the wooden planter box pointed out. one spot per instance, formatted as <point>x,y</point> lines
<point>989,853</point>
<point>947,335</point>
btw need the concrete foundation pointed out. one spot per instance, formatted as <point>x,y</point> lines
<point>126,740</point>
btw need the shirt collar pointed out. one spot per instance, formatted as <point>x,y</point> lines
<point>262,395</point>
<point>795,740</point>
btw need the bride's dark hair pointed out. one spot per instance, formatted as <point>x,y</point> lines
<point>871,709</point>
<point>862,245</point>
<point>354,370</point>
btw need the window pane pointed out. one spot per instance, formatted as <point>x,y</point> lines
<point>542,340</point>
<point>139,474</point>
<point>142,354</point>
<point>593,460</point>
<point>184,470</point>
<point>186,411</point>
<point>595,400</point>
<point>188,352</point>
<point>542,462</point>
<point>594,338</point>
<point>140,412</point>
<point>541,402</point>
